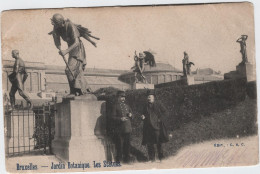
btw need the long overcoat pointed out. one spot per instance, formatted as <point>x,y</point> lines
<point>154,130</point>
<point>120,110</point>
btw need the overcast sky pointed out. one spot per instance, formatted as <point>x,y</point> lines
<point>208,33</point>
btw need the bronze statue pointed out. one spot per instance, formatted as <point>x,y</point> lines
<point>75,66</point>
<point>145,57</point>
<point>242,41</point>
<point>149,59</point>
<point>186,65</point>
<point>139,67</point>
<point>17,78</point>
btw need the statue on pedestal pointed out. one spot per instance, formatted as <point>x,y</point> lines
<point>145,57</point>
<point>186,65</point>
<point>139,67</point>
<point>242,41</point>
<point>75,66</point>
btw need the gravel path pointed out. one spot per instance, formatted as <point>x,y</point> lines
<point>218,153</point>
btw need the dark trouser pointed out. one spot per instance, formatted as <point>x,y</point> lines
<point>151,151</point>
<point>122,143</point>
<point>17,87</point>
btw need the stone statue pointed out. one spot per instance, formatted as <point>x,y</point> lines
<point>145,57</point>
<point>139,67</point>
<point>186,65</point>
<point>17,78</point>
<point>75,66</point>
<point>242,41</point>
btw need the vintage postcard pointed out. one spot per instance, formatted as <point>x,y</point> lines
<point>129,88</point>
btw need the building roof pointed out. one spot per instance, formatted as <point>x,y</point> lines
<point>29,65</point>
<point>92,80</point>
<point>89,71</point>
<point>207,74</point>
<point>54,69</point>
<point>206,71</point>
<point>207,77</point>
<point>161,67</point>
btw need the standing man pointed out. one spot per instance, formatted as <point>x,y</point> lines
<point>17,78</point>
<point>154,131</point>
<point>77,56</point>
<point>121,116</point>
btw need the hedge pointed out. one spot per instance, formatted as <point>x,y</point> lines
<point>251,89</point>
<point>185,104</point>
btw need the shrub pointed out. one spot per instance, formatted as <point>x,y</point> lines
<point>189,103</point>
<point>251,89</point>
<point>187,107</point>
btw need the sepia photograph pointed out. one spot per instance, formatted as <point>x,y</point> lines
<point>129,88</point>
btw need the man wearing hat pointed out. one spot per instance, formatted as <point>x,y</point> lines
<point>154,131</point>
<point>122,115</point>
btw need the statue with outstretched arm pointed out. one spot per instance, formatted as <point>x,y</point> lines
<point>139,67</point>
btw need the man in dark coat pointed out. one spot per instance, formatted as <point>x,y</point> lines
<point>154,131</point>
<point>17,78</point>
<point>121,115</point>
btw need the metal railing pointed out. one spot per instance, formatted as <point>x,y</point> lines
<point>29,131</point>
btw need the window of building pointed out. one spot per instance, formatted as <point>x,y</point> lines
<point>160,79</point>
<point>35,82</point>
<point>168,78</point>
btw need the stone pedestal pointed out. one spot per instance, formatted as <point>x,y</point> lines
<point>142,86</point>
<point>231,75</point>
<point>46,95</point>
<point>80,129</point>
<point>246,70</point>
<point>188,80</point>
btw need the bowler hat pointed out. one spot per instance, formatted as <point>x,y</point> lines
<point>150,92</point>
<point>121,93</point>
